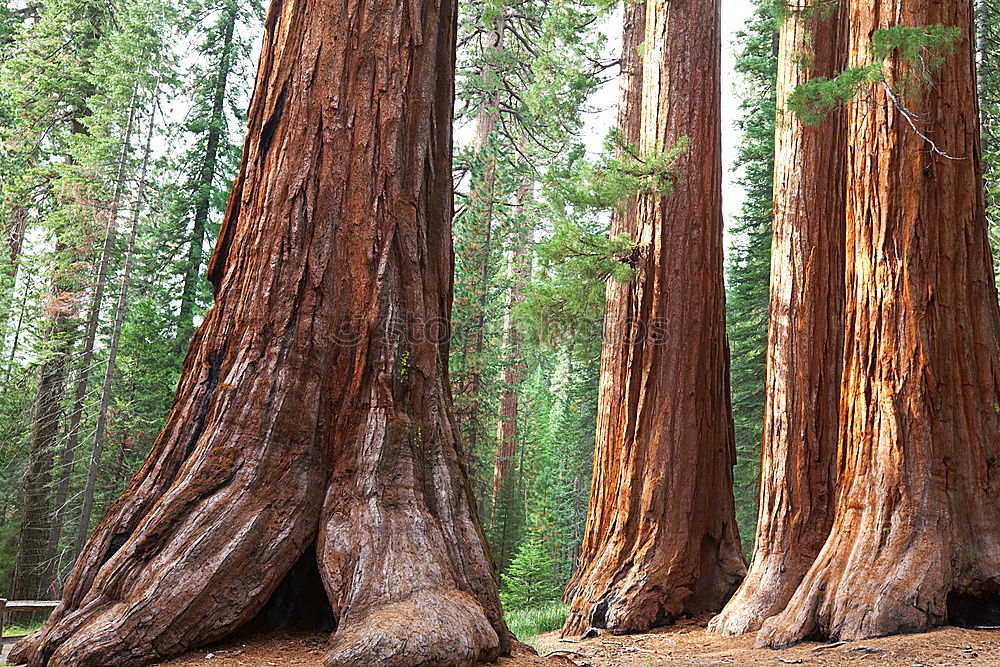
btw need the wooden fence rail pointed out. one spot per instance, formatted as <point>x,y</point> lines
<point>7,606</point>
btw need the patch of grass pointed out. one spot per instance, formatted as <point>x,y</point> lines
<point>525,623</point>
<point>18,630</point>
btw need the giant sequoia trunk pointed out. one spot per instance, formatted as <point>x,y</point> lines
<point>805,334</point>
<point>313,409</point>
<point>661,538</point>
<point>916,535</point>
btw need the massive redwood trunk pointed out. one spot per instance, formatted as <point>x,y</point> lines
<point>313,408</point>
<point>661,534</point>
<point>805,334</point>
<point>916,535</point>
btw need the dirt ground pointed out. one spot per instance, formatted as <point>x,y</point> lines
<point>685,643</point>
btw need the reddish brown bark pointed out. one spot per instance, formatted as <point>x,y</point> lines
<point>506,509</point>
<point>915,539</point>
<point>805,333</point>
<point>15,235</point>
<point>313,406</point>
<point>661,533</point>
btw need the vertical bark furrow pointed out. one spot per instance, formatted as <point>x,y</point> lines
<point>915,539</point>
<point>618,321</point>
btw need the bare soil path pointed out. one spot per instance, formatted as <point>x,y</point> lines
<point>685,643</point>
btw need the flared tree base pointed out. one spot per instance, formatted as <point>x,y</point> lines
<point>862,588</point>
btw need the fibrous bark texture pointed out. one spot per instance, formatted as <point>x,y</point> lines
<point>661,538</point>
<point>313,407</point>
<point>916,535</point>
<point>805,333</point>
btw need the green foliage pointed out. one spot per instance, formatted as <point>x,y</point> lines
<point>988,52</point>
<point>782,9</point>
<point>919,50</point>
<point>528,582</point>
<point>619,174</point>
<point>74,76</point>
<point>528,623</point>
<point>749,262</point>
<point>529,89</point>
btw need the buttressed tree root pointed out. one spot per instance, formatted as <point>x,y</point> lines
<point>313,414</point>
<point>915,541</point>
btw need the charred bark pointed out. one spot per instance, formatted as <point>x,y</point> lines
<point>805,334</point>
<point>661,533</point>
<point>313,407</point>
<point>915,539</point>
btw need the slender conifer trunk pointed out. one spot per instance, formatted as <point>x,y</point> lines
<point>206,178</point>
<point>68,458</point>
<point>102,412</point>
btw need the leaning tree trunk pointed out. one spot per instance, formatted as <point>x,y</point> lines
<point>67,460</point>
<point>662,538</point>
<point>916,535</point>
<point>15,236</point>
<point>313,406</point>
<point>90,488</point>
<point>805,334</point>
